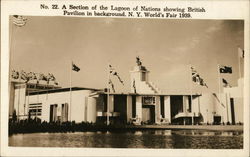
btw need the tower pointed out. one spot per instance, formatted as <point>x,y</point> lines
<point>140,80</point>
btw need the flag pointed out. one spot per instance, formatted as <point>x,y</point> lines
<point>75,68</point>
<point>15,74</point>
<point>202,83</point>
<point>114,73</point>
<point>195,75</point>
<point>196,78</point>
<point>134,86</point>
<point>225,83</point>
<point>19,20</point>
<point>225,69</point>
<point>241,53</point>
<point>112,85</point>
<point>23,75</point>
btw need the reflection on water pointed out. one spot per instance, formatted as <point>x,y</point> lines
<point>134,139</point>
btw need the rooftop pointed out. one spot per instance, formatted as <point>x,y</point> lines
<point>144,94</point>
<point>62,90</point>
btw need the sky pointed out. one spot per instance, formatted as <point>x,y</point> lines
<point>166,48</point>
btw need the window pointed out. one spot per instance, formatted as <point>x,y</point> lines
<point>148,100</point>
<point>35,109</point>
<point>59,112</point>
<point>53,113</point>
<point>143,76</point>
<point>64,112</point>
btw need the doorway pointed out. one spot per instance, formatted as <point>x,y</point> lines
<point>217,120</point>
<point>148,114</point>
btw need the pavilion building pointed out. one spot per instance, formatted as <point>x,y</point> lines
<point>144,104</point>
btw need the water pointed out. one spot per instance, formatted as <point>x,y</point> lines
<point>195,139</point>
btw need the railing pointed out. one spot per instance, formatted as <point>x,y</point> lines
<point>151,87</point>
<point>155,87</point>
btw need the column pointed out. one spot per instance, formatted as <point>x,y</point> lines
<point>157,109</point>
<point>139,107</point>
<point>228,107</point>
<point>91,112</point>
<point>111,103</point>
<point>167,108</point>
<point>185,103</point>
<point>129,107</point>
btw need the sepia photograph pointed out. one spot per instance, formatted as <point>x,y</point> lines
<point>103,82</point>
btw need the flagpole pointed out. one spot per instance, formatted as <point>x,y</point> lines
<point>191,91</point>
<point>70,93</point>
<point>12,45</point>
<point>219,83</point>
<point>190,86</point>
<point>227,107</point>
<point>28,102</point>
<point>108,95</point>
<point>38,91</point>
<point>18,103</point>
<point>37,97</point>
<point>239,63</point>
<point>219,79</point>
<point>24,99</point>
<point>47,87</point>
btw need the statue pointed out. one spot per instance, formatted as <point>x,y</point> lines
<point>139,63</point>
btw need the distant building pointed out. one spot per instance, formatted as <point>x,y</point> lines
<point>145,104</point>
<point>233,98</point>
<point>55,105</point>
<point>19,94</point>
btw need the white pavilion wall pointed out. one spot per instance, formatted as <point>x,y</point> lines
<point>76,110</point>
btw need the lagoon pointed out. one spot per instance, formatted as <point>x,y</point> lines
<point>164,139</point>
